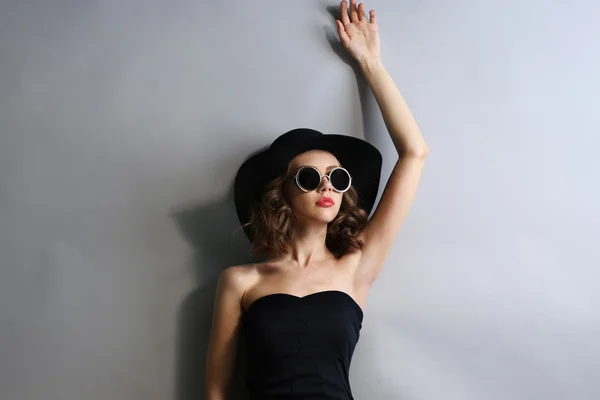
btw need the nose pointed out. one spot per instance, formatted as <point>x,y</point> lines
<point>325,184</point>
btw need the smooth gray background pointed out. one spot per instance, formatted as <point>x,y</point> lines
<point>123,124</point>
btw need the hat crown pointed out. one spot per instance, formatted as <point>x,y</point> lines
<point>294,136</point>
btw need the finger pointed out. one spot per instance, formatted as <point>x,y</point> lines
<point>344,12</point>
<point>361,12</point>
<point>344,38</point>
<point>372,17</point>
<point>353,13</point>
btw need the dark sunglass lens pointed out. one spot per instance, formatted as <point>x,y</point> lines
<point>340,180</point>
<point>308,178</point>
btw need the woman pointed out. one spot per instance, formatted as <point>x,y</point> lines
<point>304,204</point>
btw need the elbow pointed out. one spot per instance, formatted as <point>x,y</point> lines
<point>418,152</point>
<point>211,395</point>
<point>422,152</point>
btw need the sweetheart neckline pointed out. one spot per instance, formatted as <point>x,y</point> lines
<point>331,291</point>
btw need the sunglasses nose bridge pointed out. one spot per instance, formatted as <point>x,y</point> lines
<point>325,182</point>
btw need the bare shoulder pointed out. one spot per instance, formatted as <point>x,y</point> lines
<point>238,277</point>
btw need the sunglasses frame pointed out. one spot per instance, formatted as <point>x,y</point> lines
<point>328,175</point>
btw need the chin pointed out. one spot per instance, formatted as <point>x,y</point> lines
<point>327,215</point>
<point>314,213</point>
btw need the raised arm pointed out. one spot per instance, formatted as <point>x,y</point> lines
<point>360,36</point>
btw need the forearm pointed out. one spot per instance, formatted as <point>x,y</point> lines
<point>401,124</point>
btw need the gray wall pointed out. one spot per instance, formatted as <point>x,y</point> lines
<point>123,124</point>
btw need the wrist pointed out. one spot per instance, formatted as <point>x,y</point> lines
<point>370,64</point>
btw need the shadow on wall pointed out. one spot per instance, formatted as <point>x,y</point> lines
<point>210,230</point>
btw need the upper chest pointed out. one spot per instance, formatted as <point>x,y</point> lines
<point>286,274</point>
<point>285,278</point>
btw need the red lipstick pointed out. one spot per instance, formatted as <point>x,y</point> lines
<point>325,202</point>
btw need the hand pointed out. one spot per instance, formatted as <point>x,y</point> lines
<point>358,34</point>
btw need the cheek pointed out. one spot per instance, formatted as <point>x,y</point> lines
<point>339,197</point>
<point>304,202</point>
<point>297,199</point>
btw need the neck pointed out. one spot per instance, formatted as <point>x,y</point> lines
<point>308,245</point>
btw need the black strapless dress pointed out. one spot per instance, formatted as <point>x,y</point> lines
<point>301,347</point>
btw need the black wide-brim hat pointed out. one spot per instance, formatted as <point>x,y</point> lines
<point>359,157</point>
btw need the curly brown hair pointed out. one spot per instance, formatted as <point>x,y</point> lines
<point>272,223</point>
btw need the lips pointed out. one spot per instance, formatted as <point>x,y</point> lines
<point>325,202</point>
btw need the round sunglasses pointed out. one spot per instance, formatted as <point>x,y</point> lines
<point>308,178</point>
